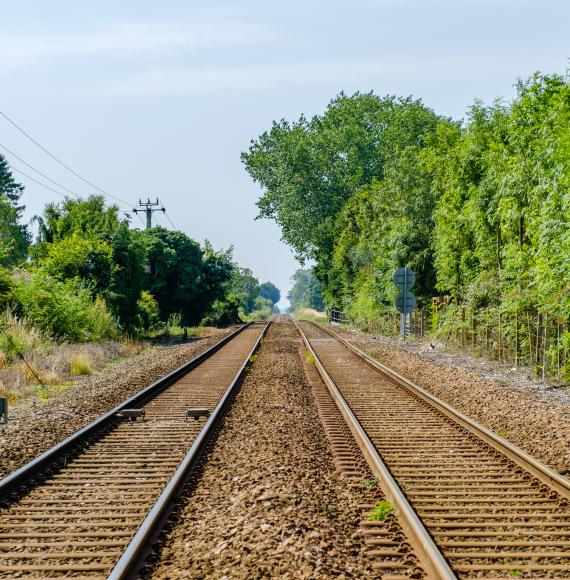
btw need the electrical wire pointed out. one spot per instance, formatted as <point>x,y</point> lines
<point>140,218</point>
<point>168,218</point>
<point>61,162</point>
<point>39,172</point>
<point>38,182</point>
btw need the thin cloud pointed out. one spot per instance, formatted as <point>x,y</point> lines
<point>127,39</point>
<point>324,72</point>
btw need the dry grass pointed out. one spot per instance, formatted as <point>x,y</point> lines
<point>80,365</point>
<point>58,364</point>
<point>311,314</point>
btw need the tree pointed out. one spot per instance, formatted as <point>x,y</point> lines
<point>87,228</point>
<point>310,169</point>
<point>175,273</point>
<point>307,291</point>
<point>14,237</point>
<point>245,286</point>
<point>90,260</point>
<point>270,291</point>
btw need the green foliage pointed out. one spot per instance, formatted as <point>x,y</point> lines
<point>89,260</point>
<point>223,312</point>
<point>88,240</point>
<point>14,237</point>
<point>370,483</point>
<point>148,312</point>
<point>480,210</point>
<point>310,169</point>
<point>306,292</point>
<point>182,277</point>
<point>270,291</point>
<point>381,511</point>
<point>80,365</point>
<point>64,310</point>
<point>19,336</point>
<point>245,286</point>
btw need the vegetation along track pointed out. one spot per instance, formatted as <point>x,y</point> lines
<point>473,504</point>
<point>108,489</point>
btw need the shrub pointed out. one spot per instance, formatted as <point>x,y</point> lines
<point>64,310</point>
<point>223,312</point>
<point>148,311</point>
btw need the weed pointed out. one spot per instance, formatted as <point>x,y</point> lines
<point>253,358</point>
<point>381,511</point>
<point>81,365</point>
<point>43,394</point>
<point>370,483</point>
<point>514,573</point>
<point>51,378</point>
<point>501,432</point>
<point>309,357</point>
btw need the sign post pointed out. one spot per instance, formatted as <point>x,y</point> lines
<point>404,279</point>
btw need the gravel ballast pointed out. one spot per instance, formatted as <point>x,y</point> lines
<point>36,425</point>
<point>528,413</point>
<point>268,501</point>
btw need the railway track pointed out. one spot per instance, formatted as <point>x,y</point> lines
<point>92,505</point>
<point>472,504</point>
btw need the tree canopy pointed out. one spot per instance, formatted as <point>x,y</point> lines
<point>14,236</point>
<point>480,209</point>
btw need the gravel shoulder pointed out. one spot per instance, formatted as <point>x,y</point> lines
<point>529,413</point>
<point>268,501</point>
<point>35,425</point>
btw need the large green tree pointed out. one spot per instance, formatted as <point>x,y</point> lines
<point>269,291</point>
<point>307,291</point>
<point>14,236</point>
<point>88,239</point>
<point>313,171</point>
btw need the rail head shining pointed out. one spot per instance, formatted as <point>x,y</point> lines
<point>431,559</point>
<point>541,472</point>
<point>138,549</point>
<point>17,480</point>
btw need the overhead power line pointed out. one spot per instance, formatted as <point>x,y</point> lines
<point>168,218</point>
<point>60,161</point>
<point>37,171</point>
<point>38,182</point>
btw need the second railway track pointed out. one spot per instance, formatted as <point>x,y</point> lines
<point>474,505</point>
<point>107,489</point>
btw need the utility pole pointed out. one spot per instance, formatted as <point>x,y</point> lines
<point>149,207</point>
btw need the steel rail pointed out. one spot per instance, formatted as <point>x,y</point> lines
<point>521,458</point>
<point>25,475</point>
<point>431,559</point>
<point>135,554</point>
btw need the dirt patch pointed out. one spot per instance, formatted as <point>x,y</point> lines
<point>529,413</point>
<point>37,424</point>
<point>269,502</point>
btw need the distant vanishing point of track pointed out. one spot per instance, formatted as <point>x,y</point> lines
<point>91,505</point>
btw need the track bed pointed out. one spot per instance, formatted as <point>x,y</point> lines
<point>488,516</point>
<point>80,519</point>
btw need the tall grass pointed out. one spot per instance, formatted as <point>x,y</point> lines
<point>54,362</point>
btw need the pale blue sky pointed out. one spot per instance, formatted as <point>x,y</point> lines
<point>159,98</point>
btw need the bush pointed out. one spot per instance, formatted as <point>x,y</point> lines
<point>64,310</point>
<point>223,312</point>
<point>148,311</point>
